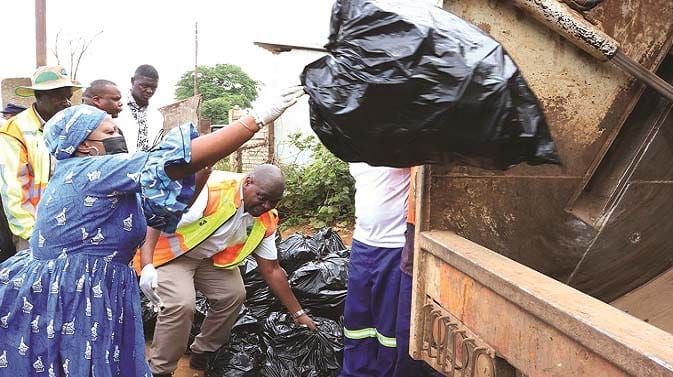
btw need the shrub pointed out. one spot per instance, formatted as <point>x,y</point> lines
<point>320,192</point>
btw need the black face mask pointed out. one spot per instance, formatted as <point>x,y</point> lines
<point>114,145</point>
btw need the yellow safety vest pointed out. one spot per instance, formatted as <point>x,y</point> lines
<point>26,167</point>
<point>223,201</point>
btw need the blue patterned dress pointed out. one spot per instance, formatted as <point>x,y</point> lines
<point>69,306</point>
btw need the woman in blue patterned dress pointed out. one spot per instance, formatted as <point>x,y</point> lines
<point>69,305</point>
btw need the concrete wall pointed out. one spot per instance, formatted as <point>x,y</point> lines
<point>182,112</point>
<point>254,152</point>
<point>286,68</point>
<point>9,84</point>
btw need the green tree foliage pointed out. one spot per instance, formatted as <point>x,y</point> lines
<point>217,109</point>
<point>321,192</point>
<point>223,86</point>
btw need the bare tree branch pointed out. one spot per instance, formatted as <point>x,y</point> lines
<point>55,49</point>
<point>72,55</point>
<point>77,48</point>
<point>85,46</point>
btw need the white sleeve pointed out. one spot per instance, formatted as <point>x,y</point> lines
<point>267,248</point>
<point>155,127</point>
<point>195,212</point>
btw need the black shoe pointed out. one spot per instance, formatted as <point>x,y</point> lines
<point>201,361</point>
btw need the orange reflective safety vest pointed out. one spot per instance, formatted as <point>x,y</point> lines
<point>224,199</point>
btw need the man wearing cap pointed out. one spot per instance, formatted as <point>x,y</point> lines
<point>25,164</point>
<point>9,111</point>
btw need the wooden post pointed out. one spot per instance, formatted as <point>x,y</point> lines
<point>40,32</point>
<point>238,161</point>
<point>271,143</point>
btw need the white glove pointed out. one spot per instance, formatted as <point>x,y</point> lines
<point>149,281</point>
<point>269,112</point>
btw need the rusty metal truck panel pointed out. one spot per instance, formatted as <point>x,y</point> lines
<point>573,222</point>
<point>511,266</point>
<point>473,307</point>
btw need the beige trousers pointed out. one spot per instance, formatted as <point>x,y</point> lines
<point>177,282</point>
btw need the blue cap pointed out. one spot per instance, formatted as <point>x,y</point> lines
<point>12,108</point>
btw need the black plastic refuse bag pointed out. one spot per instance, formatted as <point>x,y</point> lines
<point>294,351</point>
<point>321,285</point>
<point>329,242</point>
<point>258,296</point>
<point>252,279</point>
<point>149,315</point>
<point>298,249</point>
<point>243,355</point>
<point>406,83</point>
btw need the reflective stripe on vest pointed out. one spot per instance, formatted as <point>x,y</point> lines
<point>23,186</point>
<point>233,255</point>
<point>370,332</point>
<point>219,209</point>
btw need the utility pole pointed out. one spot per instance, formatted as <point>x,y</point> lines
<point>40,32</point>
<point>196,58</point>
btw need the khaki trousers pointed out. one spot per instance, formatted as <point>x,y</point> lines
<point>177,282</point>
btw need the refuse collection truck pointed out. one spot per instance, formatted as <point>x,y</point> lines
<point>558,270</point>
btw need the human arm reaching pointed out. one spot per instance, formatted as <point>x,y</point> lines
<point>210,148</point>
<point>276,279</point>
<point>149,279</point>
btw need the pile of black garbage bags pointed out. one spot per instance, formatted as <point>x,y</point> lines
<point>264,340</point>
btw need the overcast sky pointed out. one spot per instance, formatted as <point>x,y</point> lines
<point>161,33</point>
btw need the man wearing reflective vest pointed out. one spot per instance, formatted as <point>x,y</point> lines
<point>231,218</point>
<point>25,164</point>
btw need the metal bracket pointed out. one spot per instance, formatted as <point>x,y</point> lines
<point>457,351</point>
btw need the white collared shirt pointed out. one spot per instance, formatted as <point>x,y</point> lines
<point>130,126</point>
<point>232,232</point>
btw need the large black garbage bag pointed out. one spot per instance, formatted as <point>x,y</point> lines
<point>321,285</point>
<point>298,249</point>
<point>258,297</point>
<point>252,279</point>
<point>149,315</point>
<point>406,83</point>
<point>329,242</point>
<point>294,351</point>
<point>261,302</point>
<point>243,355</point>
